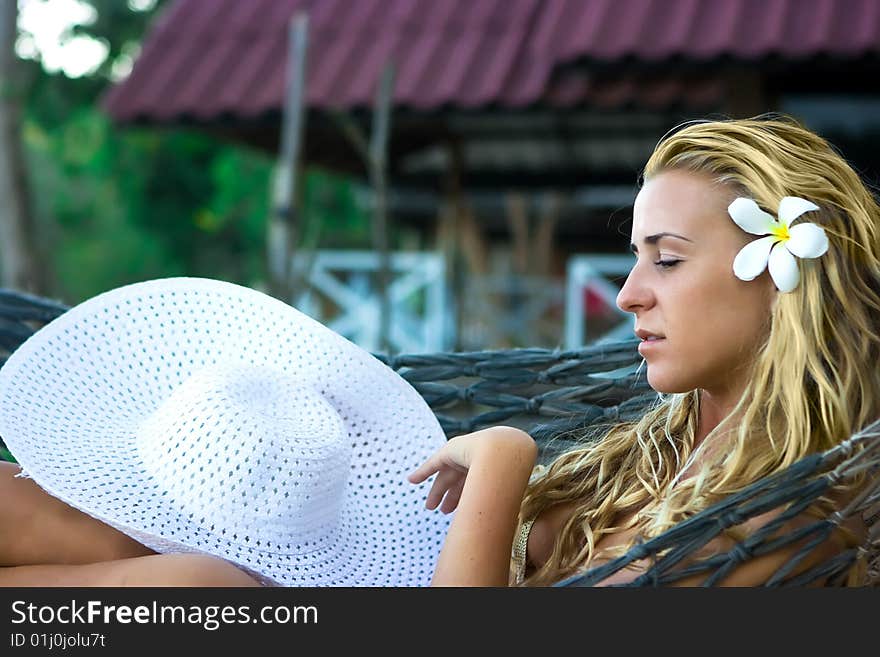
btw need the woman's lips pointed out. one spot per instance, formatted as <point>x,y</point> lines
<point>649,345</point>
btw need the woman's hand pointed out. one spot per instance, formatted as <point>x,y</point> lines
<point>453,461</point>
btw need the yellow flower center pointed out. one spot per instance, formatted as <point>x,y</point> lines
<point>780,230</point>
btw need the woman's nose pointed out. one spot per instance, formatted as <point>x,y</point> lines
<point>633,294</point>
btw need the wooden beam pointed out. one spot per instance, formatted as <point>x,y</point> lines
<point>283,224</point>
<point>378,162</point>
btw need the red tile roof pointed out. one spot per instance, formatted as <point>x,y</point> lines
<point>204,59</point>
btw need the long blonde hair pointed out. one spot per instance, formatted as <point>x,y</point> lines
<point>813,384</point>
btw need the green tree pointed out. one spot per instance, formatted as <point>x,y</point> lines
<point>120,204</point>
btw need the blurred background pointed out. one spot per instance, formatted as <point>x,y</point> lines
<point>419,175</point>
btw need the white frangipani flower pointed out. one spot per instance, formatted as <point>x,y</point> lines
<point>782,242</point>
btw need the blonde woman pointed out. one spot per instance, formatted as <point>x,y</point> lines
<point>756,293</point>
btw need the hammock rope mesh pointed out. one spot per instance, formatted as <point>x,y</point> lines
<point>563,397</point>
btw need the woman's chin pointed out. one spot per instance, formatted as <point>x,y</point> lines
<point>666,385</point>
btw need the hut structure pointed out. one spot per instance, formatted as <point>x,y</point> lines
<point>517,127</point>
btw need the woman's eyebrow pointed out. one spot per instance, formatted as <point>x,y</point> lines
<point>653,239</point>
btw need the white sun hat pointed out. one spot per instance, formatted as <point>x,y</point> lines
<point>197,415</point>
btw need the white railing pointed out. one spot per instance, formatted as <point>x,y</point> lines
<point>498,311</point>
<point>340,291</point>
<point>589,274</point>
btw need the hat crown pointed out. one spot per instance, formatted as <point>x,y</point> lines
<point>249,451</point>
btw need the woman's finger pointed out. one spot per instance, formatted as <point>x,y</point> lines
<point>453,495</point>
<point>425,470</point>
<point>445,478</point>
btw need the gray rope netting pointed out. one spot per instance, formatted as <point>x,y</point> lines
<point>548,392</point>
<point>564,397</point>
<point>792,490</point>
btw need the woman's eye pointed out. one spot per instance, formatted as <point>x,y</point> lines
<point>667,264</point>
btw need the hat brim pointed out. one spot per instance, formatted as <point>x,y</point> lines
<point>73,395</point>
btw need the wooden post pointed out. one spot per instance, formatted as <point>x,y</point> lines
<point>378,165</point>
<point>520,238</point>
<point>454,260</point>
<point>23,266</point>
<point>375,157</point>
<point>473,241</point>
<point>282,234</point>
<point>550,211</point>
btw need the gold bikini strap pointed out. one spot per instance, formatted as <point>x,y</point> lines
<point>518,554</point>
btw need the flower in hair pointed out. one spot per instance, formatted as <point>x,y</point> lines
<point>782,242</point>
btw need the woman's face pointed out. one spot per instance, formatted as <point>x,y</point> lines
<point>682,286</point>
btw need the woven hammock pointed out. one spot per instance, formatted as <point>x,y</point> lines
<point>558,394</point>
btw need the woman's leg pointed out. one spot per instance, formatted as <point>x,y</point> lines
<point>36,528</point>
<point>148,571</point>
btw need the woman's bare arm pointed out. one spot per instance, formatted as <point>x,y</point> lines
<point>495,468</point>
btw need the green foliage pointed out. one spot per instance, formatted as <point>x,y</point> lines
<point>330,211</point>
<point>117,205</point>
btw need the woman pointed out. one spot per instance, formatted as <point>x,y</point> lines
<point>757,365</point>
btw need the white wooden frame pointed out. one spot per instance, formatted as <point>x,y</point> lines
<point>591,270</point>
<point>343,277</point>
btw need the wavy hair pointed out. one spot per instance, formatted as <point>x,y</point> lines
<point>813,384</point>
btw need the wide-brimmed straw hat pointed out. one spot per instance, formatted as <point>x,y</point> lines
<point>197,415</point>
